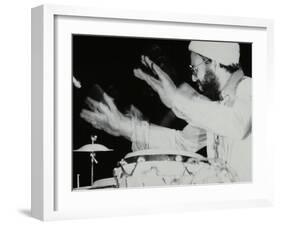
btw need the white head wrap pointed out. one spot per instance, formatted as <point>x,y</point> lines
<point>226,53</point>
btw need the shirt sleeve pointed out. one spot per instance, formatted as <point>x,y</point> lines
<point>149,136</point>
<point>232,121</point>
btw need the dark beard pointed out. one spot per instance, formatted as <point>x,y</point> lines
<point>210,86</point>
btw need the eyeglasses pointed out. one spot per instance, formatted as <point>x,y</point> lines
<point>194,69</point>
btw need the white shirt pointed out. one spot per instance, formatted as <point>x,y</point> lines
<point>224,127</point>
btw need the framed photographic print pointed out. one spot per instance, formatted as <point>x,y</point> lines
<point>137,112</point>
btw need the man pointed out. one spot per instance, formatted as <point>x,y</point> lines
<point>220,119</point>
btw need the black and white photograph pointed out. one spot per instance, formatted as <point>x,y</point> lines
<point>152,112</point>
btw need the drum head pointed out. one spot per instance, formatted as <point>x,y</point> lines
<point>168,152</point>
<point>105,183</point>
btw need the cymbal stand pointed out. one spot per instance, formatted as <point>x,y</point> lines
<point>93,160</point>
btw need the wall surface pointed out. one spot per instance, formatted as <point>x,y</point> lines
<point>15,112</point>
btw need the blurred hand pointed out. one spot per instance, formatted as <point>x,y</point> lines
<point>107,117</point>
<point>163,86</point>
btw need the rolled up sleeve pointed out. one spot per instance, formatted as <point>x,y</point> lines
<point>149,136</point>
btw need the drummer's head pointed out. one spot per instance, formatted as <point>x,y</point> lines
<point>212,64</point>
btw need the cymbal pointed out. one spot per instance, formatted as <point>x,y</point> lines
<point>93,148</point>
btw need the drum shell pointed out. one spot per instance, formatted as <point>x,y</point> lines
<point>152,173</point>
<point>148,168</point>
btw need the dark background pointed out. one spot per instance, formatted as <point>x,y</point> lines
<point>109,62</point>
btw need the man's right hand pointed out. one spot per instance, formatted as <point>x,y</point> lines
<point>163,86</point>
<point>107,117</point>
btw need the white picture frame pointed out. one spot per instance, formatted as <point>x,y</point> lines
<point>52,198</point>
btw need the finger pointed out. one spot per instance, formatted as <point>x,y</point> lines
<point>152,82</point>
<point>97,107</point>
<point>95,119</point>
<point>147,62</point>
<point>92,115</point>
<point>144,62</point>
<point>140,74</point>
<point>150,64</point>
<point>165,79</point>
<point>87,115</point>
<point>104,109</point>
<point>93,105</point>
<point>144,76</point>
<point>109,101</point>
<point>153,66</point>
